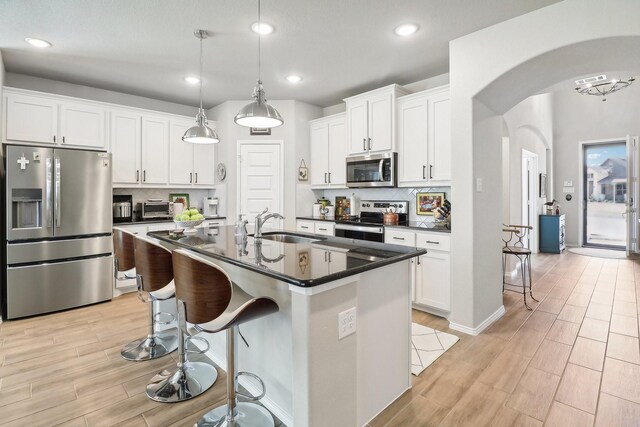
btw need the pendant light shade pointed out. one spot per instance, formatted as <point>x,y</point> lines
<point>201,133</point>
<point>259,114</point>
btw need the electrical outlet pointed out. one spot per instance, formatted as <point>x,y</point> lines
<point>346,323</point>
<point>478,185</point>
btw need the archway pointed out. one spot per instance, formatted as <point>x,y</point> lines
<point>491,71</point>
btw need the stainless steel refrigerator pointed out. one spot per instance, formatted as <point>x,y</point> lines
<point>57,231</point>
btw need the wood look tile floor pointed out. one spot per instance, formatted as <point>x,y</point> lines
<point>573,361</point>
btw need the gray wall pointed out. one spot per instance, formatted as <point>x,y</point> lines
<point>23,81</point>
<point>2,80</point>
<point>585,118</point>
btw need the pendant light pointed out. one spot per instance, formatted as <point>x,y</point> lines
<point>201,133</point>
<point>259,114</point>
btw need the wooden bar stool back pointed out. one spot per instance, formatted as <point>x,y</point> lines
<point>154,277</point>
<point>212,302</point>
<point>123,254</point>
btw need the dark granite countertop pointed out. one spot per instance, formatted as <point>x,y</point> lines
<point>416,225</point>
<point>301,264</point>
<point>157,221</point>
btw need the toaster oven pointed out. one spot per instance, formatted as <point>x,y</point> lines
<point>155,210</point>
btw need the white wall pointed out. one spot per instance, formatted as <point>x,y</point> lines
<point>491,71</point>
<point>583,118</point>
<point>23,81</point>
<point>530,127</point>
<point>294,133</point>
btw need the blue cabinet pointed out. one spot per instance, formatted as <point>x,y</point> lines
<point>552,233</point>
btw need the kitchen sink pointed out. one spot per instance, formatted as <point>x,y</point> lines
<point>289,238</point>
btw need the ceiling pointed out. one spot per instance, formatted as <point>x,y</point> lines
<point>146,47</point>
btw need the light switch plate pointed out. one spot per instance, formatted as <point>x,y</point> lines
<point>478,185</point>
<point>346,323</point>
<point>568,184</point>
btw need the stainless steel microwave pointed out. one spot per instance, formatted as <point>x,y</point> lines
<point>375,170</point>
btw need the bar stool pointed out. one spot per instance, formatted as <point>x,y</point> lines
<point>155,279</point>
<point>123,254</point>
<point>514,245</point>
<point>209,299</point>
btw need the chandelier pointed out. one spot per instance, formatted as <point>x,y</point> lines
<point>600,86</point>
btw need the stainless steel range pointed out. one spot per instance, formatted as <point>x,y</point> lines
<point>369,225</point>
<point>57,229</point>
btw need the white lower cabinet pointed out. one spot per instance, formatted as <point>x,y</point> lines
<point>431,272</point>
<point>325,260</point>
<point>324,228</point>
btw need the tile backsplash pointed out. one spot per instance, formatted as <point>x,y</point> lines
<point>408,194</point>
<point>139,195</point>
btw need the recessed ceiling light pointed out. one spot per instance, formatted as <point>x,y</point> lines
<point>294,79</point>
<point>37,42</point>
<point>262,28</point>
<point>405,30</point>
<point>192,80</point>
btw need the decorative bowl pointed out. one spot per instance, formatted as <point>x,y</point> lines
<point>189,226</point>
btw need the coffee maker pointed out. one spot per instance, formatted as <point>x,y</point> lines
<point>210,206</point>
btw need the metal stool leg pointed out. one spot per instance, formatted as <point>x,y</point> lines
<point>524,281</point>
<point>189,379</point>
<point>234,413</point>
<point>530,278</point>
<point>155,344</point>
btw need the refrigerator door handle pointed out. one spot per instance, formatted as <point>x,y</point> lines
<point>48,195</point>
<point>57,193</point>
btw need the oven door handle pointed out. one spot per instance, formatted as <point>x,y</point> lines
<point>363,228</point>
<point>380,166</point>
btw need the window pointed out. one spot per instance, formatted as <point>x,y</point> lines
<point>621,189</point>
<point>590,175</point>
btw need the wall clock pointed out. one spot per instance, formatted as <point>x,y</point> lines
<point>222,171</point>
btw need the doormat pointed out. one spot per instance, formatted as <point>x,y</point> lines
<point>599,253</point>
<point>427,345</point>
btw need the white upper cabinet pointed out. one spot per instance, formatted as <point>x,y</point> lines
<point>31,119</point>
<point>371,120</point>
<point>328,152</point>
<point>319,164</point>
<point>40,119</point>
<point>412,139</point>
<point>338,152</point>
<point>440,138</point>
<point>155,150</point>
<point>82,125</point>
<point>126,137</point>
<point>180,154</point>
<point>424,138</point>
<point>189,164</point>
<point>204,164</point>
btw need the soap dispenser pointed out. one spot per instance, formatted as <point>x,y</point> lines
<point>241,229</point>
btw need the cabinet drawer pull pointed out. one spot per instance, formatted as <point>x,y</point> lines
<point>304,226</point>
<point>138,175</point>
<point>54,138</point>
<point>196,177</point>
<point>325,256</point>
<point>329,177</point>
<point>418,260</point>
<point>398,238</point>
<point>433,243</point>
<point>64,139</point>
<point>364,144</point>
<point>370,145</point>
<point>190,177</point>
<point>322,229</point>
<point>430,171</point>
<point>424,172</point>
<point>144,175</point>
<point>329,256</point>
<point>325,177</point>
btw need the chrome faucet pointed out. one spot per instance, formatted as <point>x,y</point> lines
<point>260,222</point>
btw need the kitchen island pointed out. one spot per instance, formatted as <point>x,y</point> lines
<point>315,371</point>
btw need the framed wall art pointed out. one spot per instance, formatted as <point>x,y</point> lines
<point>427,203</point>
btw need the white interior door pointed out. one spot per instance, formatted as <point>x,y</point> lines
<point>633,195</point>
<point>260,181</point>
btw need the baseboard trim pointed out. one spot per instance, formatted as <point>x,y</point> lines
<point>482,326</point>
<point>275,409</point>
<point>385,408</point>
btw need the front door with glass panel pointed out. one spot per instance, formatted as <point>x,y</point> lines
<point>606,195</point>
